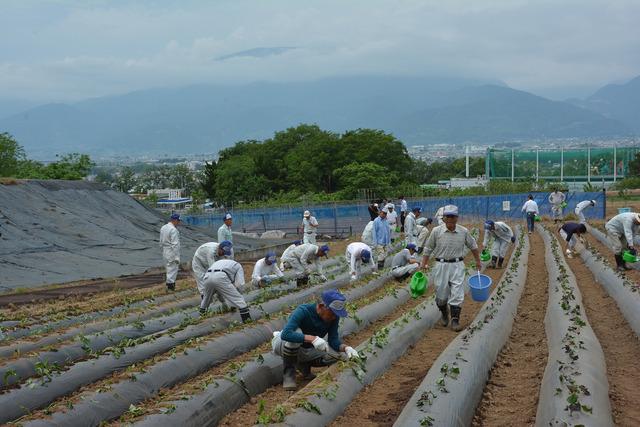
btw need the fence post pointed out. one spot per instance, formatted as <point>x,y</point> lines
<point>335,219</point>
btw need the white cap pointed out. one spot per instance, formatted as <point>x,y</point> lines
<point>389,206</point>
<point>593,202</point>
<point>637,217</point>
<point>375,204</point>
<point>450,210</point>
<point>307,214</point>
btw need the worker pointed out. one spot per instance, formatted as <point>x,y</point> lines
<point>404,263</point>
<point>556,199</point>
<point>285,254</point>
<point>170,244</point>
<point>392,220</point>
<point>530,209</point>
<point>568,232</point>
<point>440,216</point>
<point>265,271</point>
<point>310,224</point>
<point>206,255</point>
<point>302,344</point>
<point>303,259</point>
<point>357,254</point>
<point>410,230</point>
<point>502,235</point>
<point>223,278</point>
<point>423,232</point>
<point>580,207</point>
<point>373,210</point>
<point>403,212</point>
<point>446,244</point>
<point>367,234</point>
<point>621,230</point>
<point>381,237</point>
<point>224,232</point>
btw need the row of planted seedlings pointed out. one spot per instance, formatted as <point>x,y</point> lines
<point>148,365</point>
<point>574,388</point>
<point>451,390</point>
<point>54,352</point>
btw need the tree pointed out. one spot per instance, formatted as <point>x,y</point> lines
<point>358,176</point>
<point>72,166</point>
<point>208,179</point>
<point>11,154</point>
<point>125,180</point>
<point>634,166</point>
<point>236,180</point>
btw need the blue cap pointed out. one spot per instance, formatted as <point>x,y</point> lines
<point>297,242</point>
<point>488,224</point>
<point>226,216</point>
<point>411,246</point>
<point>365,255</point>
<point>175,217</point>
<point>335,301</point>
<point>429,220</point>
<point>324,249</point>
<point>270,257</point>
<point>226,246</point>
<point>416,209</point>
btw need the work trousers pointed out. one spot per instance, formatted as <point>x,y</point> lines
<point>572,242</point>
<point>448,278</point>
<point>399,272</point>
<point>172,267</point>
<point>499,248</point>
<point>305,354</point>
<point>217,283</point>
<point>198,274</point>
<point>309,238</point>
<point>531,221</point>
<point>618,241</point>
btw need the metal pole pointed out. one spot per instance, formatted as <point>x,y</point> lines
<point>513,165</point>
<point>589,164</point>
<point>615,163</point>
<point>562,164</point>
<point>537,164</point>
<point>466,149</point>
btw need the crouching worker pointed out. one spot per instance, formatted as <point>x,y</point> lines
<point>568,232</point>
<point>404,262</point>
<point>502,235</point>
<point>358,254</point>
<point>302,344</point>
<point>223,278</point>
<point>304,260</point>
<point>206,255</point>
<point>265,271</point>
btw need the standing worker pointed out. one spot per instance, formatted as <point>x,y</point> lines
<point>446,244</point>
<point>403,212</point>
<point>170,244</point>
<point>530,209</point>
<point>580,207</point>
<point>302,344</point>
<point>392,220</point>
<point>502,235</point>
<point>357,254</point>
<point>404,263</point>
<point>373,210</point>
<point>224,232</point>
<point>410,225</point>
<point>423,232</point>
<point>439,216</point>
<point>556,199</point>
<point>621,230</point>
<point>303,259</point>
<point>381,238</point>
<point>206,255</point>
<point>265,271</point>
<point>568,233</point>
<point>310,224</point>
<point>223,278</point>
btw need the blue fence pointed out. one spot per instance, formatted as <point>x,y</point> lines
<point>339,218</point>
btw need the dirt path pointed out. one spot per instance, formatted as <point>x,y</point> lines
<point>380,403</point>
<point>511,395</point>
<point>620,345</point>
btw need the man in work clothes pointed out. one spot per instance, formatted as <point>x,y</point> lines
<point>301,343</point>
<point>410,225</point>
<point>403,212</point>
<point>580,207</point>
<point>303,260</point>
<point>568,232</point>
<point>381,237</point>
<point>392,219</point>
<point>224,232</point>
<point>373,210</point>
<point>446,244</point>
<point>502,235</point>
<point>358,254</point>
<point>265,271</point>
<point>440,216</point>
<point>310,227</point>
<point>170,244</point>
<point>286,253</point>
<point>621,230</point>
<point>530,209</point>
<point>556,199</point>
<point>404,263</point>
<point>206,255</point>
<point>423,232</point>
<point>223,278</point>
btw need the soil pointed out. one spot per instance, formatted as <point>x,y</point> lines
<point>620,345</point>
<point>511,395</point>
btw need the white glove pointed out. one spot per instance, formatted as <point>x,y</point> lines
<point>323,277</point>
<point>568,251</point>
<point>320,344</point>
<point>351,352</point>
<point>276,334</point>
<point>353,277</point>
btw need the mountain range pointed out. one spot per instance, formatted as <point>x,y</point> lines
<point>419,111</point>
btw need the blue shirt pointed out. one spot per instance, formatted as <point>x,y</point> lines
<point>381,232</point>
<point>570,228</point>
<point>306,318</point>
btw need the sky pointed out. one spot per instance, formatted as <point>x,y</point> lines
<point>68,50</point>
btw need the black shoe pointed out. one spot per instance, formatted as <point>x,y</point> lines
<point>305,370</point>
<point>620,264</point>
<point>289,361</point>
<point>494,259</point>
<point>171,286</point>
<point>203,311</point>
<point>444,320</point>
<point>455,318</point>
<point>245,315</point>
<point>500,261</point>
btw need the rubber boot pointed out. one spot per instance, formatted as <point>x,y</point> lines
<point>620,264</point>
<point>302,281</point>
<point>244,315</point>
<point>500,261</point>
<point>494,259</point>
<point>455,318</point>
<point>380,265</point>
<point>289,360</point>
<point>305,370</point>
<point>171,286</point>
<point>444,320</point>
<point>203,311</point>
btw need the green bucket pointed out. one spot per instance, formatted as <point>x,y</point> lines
<point>563,205</point>
<point>398,229</point>
<point>485,255</point>
<point>629,257</point>
<point>537,218</point>
<point>418,284</point>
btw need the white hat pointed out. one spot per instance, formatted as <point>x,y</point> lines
<point>637,217</point>
<point>307,214</point>
<point>450,210</point>
<point>375,204</point>
<point>593,202</point>
<point>389,206</point>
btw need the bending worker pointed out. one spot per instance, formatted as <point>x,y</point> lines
<point>556,199</point>
<point>303,260</point>
<point>568,233</point>
<point>502,235</point>
<point>446,244</point>
<point>301,343</point>
<point>224,232</point>
<point>286,252</point>
<point>404,263</point>
<point>170,244</point>
<point>265,271</point>
<point>410,230</point>
<point>580,207</point>
<point>357,254</point>
<point>381,237</point>
<point>206,255</point>
<point>423,232</point>
<point>621,229</point>
<point>223,278</point>
<point>310,224</point>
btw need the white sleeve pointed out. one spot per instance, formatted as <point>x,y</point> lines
<point>352,263</point>
<point>239,277</point>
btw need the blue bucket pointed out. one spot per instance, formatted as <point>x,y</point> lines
<point>480,286</point>
<point>624,210</point>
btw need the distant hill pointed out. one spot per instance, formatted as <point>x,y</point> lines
<point>206,118</point>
